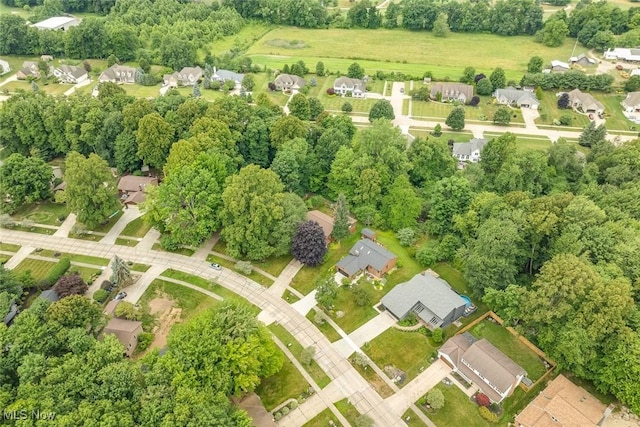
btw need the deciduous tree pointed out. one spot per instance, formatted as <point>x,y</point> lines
<point>154,137</point>
<point>382,109</point>
<point>23,180</point>
<point>455,120</point>
<point>71,284</point>
<point>308,244</point>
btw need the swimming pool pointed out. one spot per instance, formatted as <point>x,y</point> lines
<point>467,299</point>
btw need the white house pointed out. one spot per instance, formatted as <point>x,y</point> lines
<point>623,54</point>
<point>631,103</point>
<point>346,85</point>
<point>469,151</point>
<point>289,82</point>
<point>559,66</point>
<point>57,23</point>
<point>70,74</point>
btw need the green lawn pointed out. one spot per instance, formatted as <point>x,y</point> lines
<point>511,346</point>
<point>323,419</point>
<point>136,228</point>
<point>9,247</point>
<point>126,242</point>
<point>139,267</point>
<point>51,88</point>
<point>462,136</point>
<point>409,267</point>
<point>409,351</point>
<point>328,330</point>
<point>287,383</point>
<point>86,259</point>
<point>458,410</point>
<point>181,251</point>
<point>85,272</point>
<point>207,285</point>
<point>273,265</point>
<point>549,112</point>
<point>245,37</point>
<point>104,228</point>
<point>140,91</point>
<point>526,142</point>
<point>373,378</point>
<point>348,410</point>
<point>486,108</point>
<point>255,276</point>
<point>354,315</point>
<point>411,419</point>
<point>13,10</point>
<point>39,269</point>
<point>190,301</point>
<point>290,297</point>
<point>613,112</point>
<point>296,349</point>
<point>42,213</point>
<point>426,52</point>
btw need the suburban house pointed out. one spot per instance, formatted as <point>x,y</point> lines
<point>519,98</point>
<point>582,60</point>
<point>31,69</point>
<point>367,256</point>
<point>635,72</point>
<point>326,222</point>
<point>469,151</point>
<point>623,54</point>
<point>631,103</point>
<point>50,295</point>
<point>563,403</point>
<point>559,66</point>
<point>132,188</point>
<point>4,67</point>
<point>367,233</point>
<point>126,331</point>
<point>585,102</point>
<point>70,74</point>
<point>289,82</point>
<point>226,75</point>
<point>429,297</point>
<point>188,76</point>
<point>57,23</point>
<point>482,364</point>
<point>452,92</point>
<point>118,74</point>
<point>346,85</point>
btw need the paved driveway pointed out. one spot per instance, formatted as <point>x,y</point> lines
<point>429,378</point>
<point>128,216</point>
<point>530,115</point>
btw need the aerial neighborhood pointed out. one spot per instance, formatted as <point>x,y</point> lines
<point>320,213</point>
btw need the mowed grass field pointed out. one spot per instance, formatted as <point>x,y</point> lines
<point>419,51</point>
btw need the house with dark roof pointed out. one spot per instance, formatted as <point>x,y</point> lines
<point>516,97</point>
<point>367,233</point>
<point>132,188</point>
<point>369,257</point>
<point>452,92</point>
<point>70,74</point>
<point>118,74</point>
<point>126,331</point>
<point>348,86</point>
<point>585,102</point>
<point>481,363</point>
<point>469,151</point>
<point>226,75</point>
<point>429,297</point>
<point>562,403</point>
<point>50,295</point>
<point>289,82</point>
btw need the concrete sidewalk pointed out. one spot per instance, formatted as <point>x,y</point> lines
<point>306,304</point>
<point>135,291</point>
<point>128,216</point>
<point>19,256</point>
<point>148,240</point>
<point>66,226</point>
<point>363,334</point>
<point>285,278</point>
<point>205,249</point>
<point>429,378</point>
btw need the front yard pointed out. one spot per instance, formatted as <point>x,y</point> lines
<point>42,213</point>
<point>483,112</point>
<point>409,351</point>
<point>39,269</point>
<point>458,410</point>
<point>136,228</point>
<point>286,384</point>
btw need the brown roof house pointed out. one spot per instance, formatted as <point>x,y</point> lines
<point>585,102</point>
<point>452,92</point>
<point>132,188</point>
<point>565,404</point>
<point>118,74</point>
<point>188,76</point>
<point>126,331</point>
<point>326,222</point>
<point>289,82</point>
<point>482,364</point>
<point>367,256</point>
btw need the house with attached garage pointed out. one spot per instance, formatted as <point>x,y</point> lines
<point>188,76</point>
<point>631,103</point>
<point>226,75</point>
<point>289,82</point>
<point>469,151</point>
<point>481,363</point>
<point>368,257</point>
<point>118,74</point>
<point>452,92</point>
<point>132,188</point>
<point>346,86</point>
<point>516,97</point>
<point>429,297</point>
<point>70,74</point>
<point>585,102</point>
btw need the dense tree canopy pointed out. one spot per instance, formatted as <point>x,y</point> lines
<point>23,180</point>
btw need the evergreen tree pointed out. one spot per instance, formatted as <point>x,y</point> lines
<point>341,221</point>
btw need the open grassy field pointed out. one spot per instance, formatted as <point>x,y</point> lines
<point>13,10</point>
<point>409,351</point>
<point>287,383</point>
<point>511,346</point>
<point>483,112</point>
<point>42,213</point>
<point>338,48</point>
<point>39,269</point>
<point>248,35</point>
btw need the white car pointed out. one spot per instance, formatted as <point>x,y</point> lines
<point>121,295</point>
<point>215,266</point>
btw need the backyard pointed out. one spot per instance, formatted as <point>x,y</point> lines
<point>408,351</point>
<point>42,213</point>
<point>510,345</point>
<point>458,410</point>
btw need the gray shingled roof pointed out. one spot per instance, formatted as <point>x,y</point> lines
<point>225,75</point>
<point>466,148</point>
<point>350,83</point>
<point>432,292</point>
<point>516,96</point>
<point>451,90</point>
<point>493,364</point>
<point>50,294</point>
<point>363,254</point>
<point>74,71</point>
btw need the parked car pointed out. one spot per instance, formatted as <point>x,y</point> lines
<point>591,117</point>
<point>121,295</point>
<point>215,266</point>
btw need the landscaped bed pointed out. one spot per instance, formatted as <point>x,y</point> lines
<point>373,378</point>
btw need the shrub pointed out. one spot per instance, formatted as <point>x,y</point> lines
<point>244,267</point>
<point>426,256</point>
<point>565,120</point>
<point>330,91</point>
<point>100,295</point>
<point>6,221</point>
<point>284,410</point>
<point>406,236</point>
<point>70,285</point>
<point>487,414</point>
<point>360,359</point>
<point>319,319</point>
<point>144,340</point>
<point>105,285</point>
<point>437,335</point>
<point>482,399</point>
<point>435,399</point>
<point>58,270</point>
<point>347,107</point>
<point>361,297</point>
<point>277,416</point>
<point>126,310</point>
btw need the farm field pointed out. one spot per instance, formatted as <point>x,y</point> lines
<point>335,47</point>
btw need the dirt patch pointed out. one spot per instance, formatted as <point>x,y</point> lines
<point>167,315</point>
